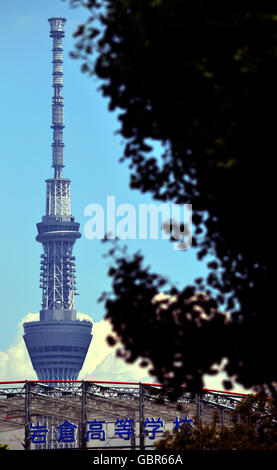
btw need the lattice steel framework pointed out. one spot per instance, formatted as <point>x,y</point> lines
<point>58,275</point>
<point>58,344</point>
<point>23,403</point>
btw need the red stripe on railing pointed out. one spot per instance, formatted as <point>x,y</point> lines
<point>113,382</point>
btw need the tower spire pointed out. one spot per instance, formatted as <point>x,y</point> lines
<point>57,33</point>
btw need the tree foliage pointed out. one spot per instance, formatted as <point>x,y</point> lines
<point>171,333</point>
<point>199,77</point>
<point>256,429</point>
<point>3,447</point>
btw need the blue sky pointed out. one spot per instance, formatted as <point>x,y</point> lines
<point>91,157</point>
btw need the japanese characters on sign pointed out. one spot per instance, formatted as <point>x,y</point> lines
<point>95,430</point>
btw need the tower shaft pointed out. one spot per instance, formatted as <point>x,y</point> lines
<point>57,232</point>
<point>58,343</point>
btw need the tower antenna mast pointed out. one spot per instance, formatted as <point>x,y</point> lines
<point>57,33</point>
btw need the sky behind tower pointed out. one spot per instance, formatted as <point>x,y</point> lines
<point>91,154</point>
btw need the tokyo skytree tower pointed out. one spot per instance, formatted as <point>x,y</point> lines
<point>58,343</point>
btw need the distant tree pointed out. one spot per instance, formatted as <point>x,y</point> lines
<point>256,429</point>
<point>200,78</point>
<point>3,447</point>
